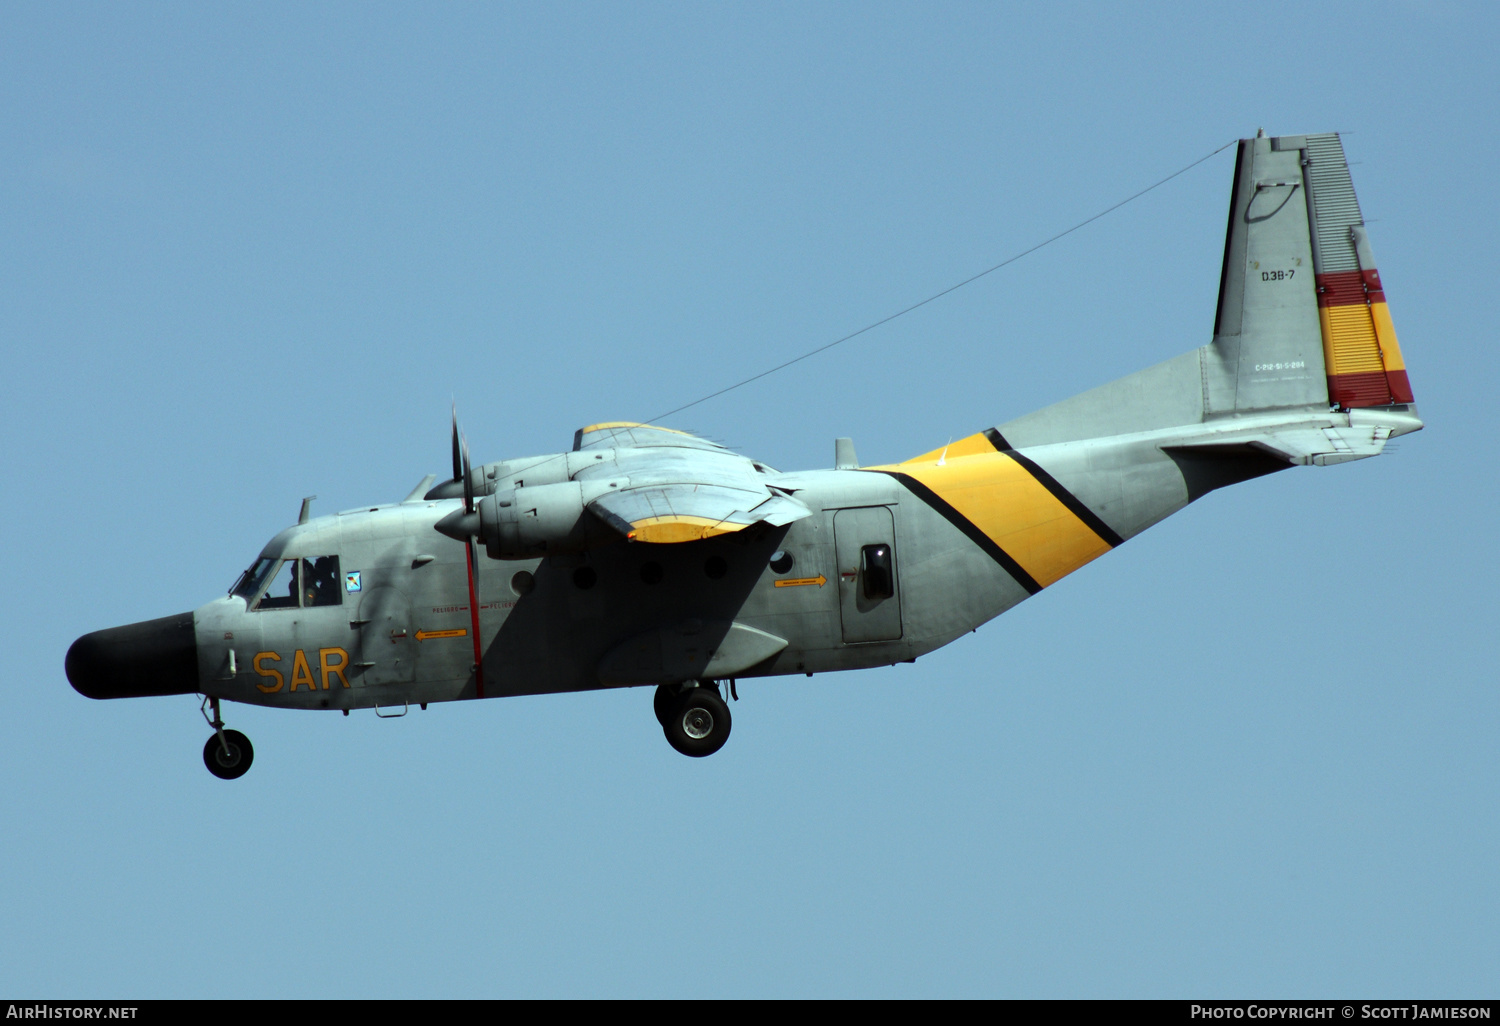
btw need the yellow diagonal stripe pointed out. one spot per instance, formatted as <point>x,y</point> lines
<point>998,496</point>
<point>970,446</point>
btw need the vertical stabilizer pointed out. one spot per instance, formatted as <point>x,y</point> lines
<point>1267,351</point>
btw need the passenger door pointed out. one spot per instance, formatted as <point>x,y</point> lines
<point>869,593</point>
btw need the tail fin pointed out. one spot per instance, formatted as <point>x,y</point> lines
<point>1278,342</point>
<point>1302,321</point>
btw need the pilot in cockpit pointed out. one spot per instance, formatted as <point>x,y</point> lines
<point>320,587</point>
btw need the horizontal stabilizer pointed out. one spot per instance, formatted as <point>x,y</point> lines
<point>1305,446</point>
<point>1365,435</point>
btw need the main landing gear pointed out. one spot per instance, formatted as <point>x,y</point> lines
<point>228,753</point>
<point>694,717</point>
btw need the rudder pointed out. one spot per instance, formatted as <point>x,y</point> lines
<point>1360,351</point>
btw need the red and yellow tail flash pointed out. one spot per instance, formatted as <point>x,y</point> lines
<point>1359,342</point>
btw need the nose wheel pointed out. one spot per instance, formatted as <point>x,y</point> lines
<point>227,753</point>
<point>695,720</point>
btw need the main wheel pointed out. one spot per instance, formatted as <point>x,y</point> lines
<point>233,763</point>
<point>661,702</point>
<point>698,722</point>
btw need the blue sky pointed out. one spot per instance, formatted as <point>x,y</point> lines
<point>252,253</point>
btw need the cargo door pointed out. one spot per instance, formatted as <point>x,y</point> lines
<point>869,594</point>
<point>387,650</point>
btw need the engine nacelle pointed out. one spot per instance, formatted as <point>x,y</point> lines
<point>540,520</point>
<point>535,520</point>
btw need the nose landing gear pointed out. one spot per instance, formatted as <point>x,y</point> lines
<point>695,719</point>
<point>228,753</point>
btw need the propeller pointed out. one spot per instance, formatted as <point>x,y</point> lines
<point>461,463</point>
<point>460,468</point>
<point>464,524</point>
<point>468,478</point>
<point>461,484</point>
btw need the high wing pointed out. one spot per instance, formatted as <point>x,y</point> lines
<point>679,487</point>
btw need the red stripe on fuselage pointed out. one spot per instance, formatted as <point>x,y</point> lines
<point>474,619</point>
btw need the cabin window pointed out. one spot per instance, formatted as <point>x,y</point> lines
<point>875,568</point>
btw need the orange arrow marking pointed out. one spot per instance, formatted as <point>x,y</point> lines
<point>458,632</point>
<point>797,582</point>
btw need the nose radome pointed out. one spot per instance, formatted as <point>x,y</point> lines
<point>153,657</point>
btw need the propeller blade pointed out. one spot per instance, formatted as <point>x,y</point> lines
<point>457,468</point>
<point>468,480</point>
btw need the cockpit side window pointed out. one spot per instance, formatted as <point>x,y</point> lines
<point>321,584</point>
<point>297,582</point>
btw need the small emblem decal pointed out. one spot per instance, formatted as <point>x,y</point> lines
<point>351,581</point>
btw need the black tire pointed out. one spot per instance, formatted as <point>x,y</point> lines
<point>661,703</point>
<point>698,723</point>
<point>234,763</point>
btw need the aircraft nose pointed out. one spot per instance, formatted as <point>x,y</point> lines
<point>153,657</point>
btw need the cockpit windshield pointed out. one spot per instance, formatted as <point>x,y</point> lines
<point>253,579</point>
